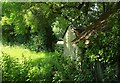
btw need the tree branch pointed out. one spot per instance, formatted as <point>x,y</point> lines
<point>95,25</point>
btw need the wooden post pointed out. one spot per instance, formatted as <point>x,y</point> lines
<point>98,72</point>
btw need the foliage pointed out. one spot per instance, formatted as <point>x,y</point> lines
<point>31,31</point>
<point>104,48</point>
<point>31,66</point>
<point>69,71</point>
<point>27,65</point>
<point>26,21</point>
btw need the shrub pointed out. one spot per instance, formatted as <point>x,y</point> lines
<point>24,68</point>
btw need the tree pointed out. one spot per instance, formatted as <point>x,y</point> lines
<point>28,19</point>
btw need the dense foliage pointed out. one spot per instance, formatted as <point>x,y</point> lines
<point>30,52</point>
<point>36,67</point>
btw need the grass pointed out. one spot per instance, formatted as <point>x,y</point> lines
<point>17,51</point>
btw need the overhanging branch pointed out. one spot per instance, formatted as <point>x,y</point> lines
<point>95,25</point>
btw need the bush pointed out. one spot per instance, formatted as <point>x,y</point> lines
<point>47,67</point>
<point>30,69</point>
<point>40,67</point>
<point>13,70</point>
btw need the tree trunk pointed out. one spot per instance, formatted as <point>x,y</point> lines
<point>98,72</point>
